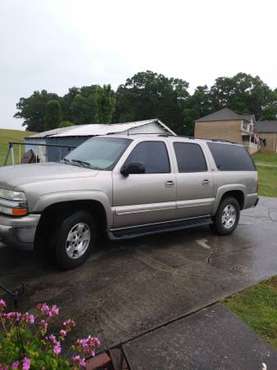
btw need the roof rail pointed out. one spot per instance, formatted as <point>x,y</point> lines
<point>220,140</point>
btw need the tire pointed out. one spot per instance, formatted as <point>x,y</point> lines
<point>227,216</point>
<point>74,240</point>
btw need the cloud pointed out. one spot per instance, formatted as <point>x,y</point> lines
<point>59,44</point>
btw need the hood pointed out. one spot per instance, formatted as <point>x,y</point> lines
<point>11,177</point>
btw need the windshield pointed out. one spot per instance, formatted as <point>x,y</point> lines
<point>101,153</point>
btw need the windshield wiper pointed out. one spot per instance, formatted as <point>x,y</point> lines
<point>82,163</point>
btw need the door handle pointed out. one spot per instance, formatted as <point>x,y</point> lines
<point>205,182</point>
<point>169,183</point>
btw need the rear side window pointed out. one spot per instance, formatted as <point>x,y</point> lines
<point>231,157</point>
<point>190,157</point>
<point>153,155</point>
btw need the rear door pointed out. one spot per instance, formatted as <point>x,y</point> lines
<point>149,197</point>
<point>195,190</point>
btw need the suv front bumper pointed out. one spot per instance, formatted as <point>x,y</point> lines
<point>19,232</point>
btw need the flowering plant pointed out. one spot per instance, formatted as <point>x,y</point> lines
<point>27,344</point>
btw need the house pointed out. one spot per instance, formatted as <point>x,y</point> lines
<point>55,144</point>
<point>228,125</point>
<point>267,131</point>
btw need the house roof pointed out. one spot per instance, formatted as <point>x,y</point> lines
<point>225,114</point>
<point>266,126</point>
<point>98,129</point>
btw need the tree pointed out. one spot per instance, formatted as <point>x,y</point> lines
<point>197,105</point>
<point>33,110</point>
<point>105,100</point>
<point>243,93</point>
<point>149,95</point>
<point>53,115</point>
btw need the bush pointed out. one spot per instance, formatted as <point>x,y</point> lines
<point>27,344</point>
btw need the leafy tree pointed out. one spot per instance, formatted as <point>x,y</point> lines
<point>53,114</point>
<point>243,93</point>
<point>105,100</point>
<point>149,95</point>
<point>66,124</point>
<point>197,105</point>
<point>33,110</point>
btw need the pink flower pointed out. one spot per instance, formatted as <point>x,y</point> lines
<point>68,325</point>
<point>15,365</point>
<point>88,345</point>
<point>2,367</point>
<point>49,311</point>
<point>43,326</point>
<point>57,349</point>
<point>63,333</point>
<point>12,316</point>
<point>26,363</point>
<point>3,305</point>
<point>28,318</point>
<point>79,361</point>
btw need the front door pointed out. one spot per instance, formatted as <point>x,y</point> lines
<point>195,190</point>
<point>148,197</point>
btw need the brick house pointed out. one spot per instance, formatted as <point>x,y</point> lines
<point>228,125</point>
<point>267,131</point>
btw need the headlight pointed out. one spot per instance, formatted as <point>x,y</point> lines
<point>16,196</point>
<point>13,203</point>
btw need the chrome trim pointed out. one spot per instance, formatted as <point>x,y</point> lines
<point>142,208</point>
<point>194,203</point>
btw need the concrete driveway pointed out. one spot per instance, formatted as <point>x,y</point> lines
<point>128,288</point>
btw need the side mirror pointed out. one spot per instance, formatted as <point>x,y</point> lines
<point>132,168</point>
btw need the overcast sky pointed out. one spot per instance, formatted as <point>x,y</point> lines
<point>57,44</point>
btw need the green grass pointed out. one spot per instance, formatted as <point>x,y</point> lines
<point>257,307</point>
<point>7,136</point>
<point>267,171</point>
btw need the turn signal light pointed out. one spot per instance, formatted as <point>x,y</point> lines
<point>19,211</point>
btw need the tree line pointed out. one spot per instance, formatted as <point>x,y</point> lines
<point>148,95</point>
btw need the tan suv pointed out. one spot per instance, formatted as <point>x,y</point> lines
<point>126,186</point>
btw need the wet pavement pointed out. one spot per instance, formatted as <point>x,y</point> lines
<point>129,288</point>
<point>211,339</point>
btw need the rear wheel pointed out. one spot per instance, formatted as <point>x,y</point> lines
<point>74,239</point>
<point>227,216</point>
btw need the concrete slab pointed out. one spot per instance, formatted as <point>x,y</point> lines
<point>128,288</point>
<point>212,339</point>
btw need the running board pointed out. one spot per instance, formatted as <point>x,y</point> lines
<point>135,231</point>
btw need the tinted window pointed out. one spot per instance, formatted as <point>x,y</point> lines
<point>231,157</point>
<point>190,157</point>
<point>153,155</point>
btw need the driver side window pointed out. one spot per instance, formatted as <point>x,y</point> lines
<point>153,155</point>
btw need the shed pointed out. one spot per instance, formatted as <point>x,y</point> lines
<point>55,144</point>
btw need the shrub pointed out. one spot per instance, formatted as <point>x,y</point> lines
<point>26,342</point>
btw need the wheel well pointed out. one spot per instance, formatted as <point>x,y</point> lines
<point>53,214</point>
<point>237,194</point>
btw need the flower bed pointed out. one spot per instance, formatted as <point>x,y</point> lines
<point>26,342</point>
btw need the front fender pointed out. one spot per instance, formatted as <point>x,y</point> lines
<point>223,190</point>
<point>50,199</point>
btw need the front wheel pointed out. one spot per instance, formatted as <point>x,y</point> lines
<point>74,240</point>
<point>227,216</point>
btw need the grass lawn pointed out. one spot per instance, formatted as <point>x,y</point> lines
<point>257,307</point>
<point>10,135</point>
<point>267,170</point>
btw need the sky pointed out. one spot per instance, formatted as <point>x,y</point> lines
<point>57,44</point>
